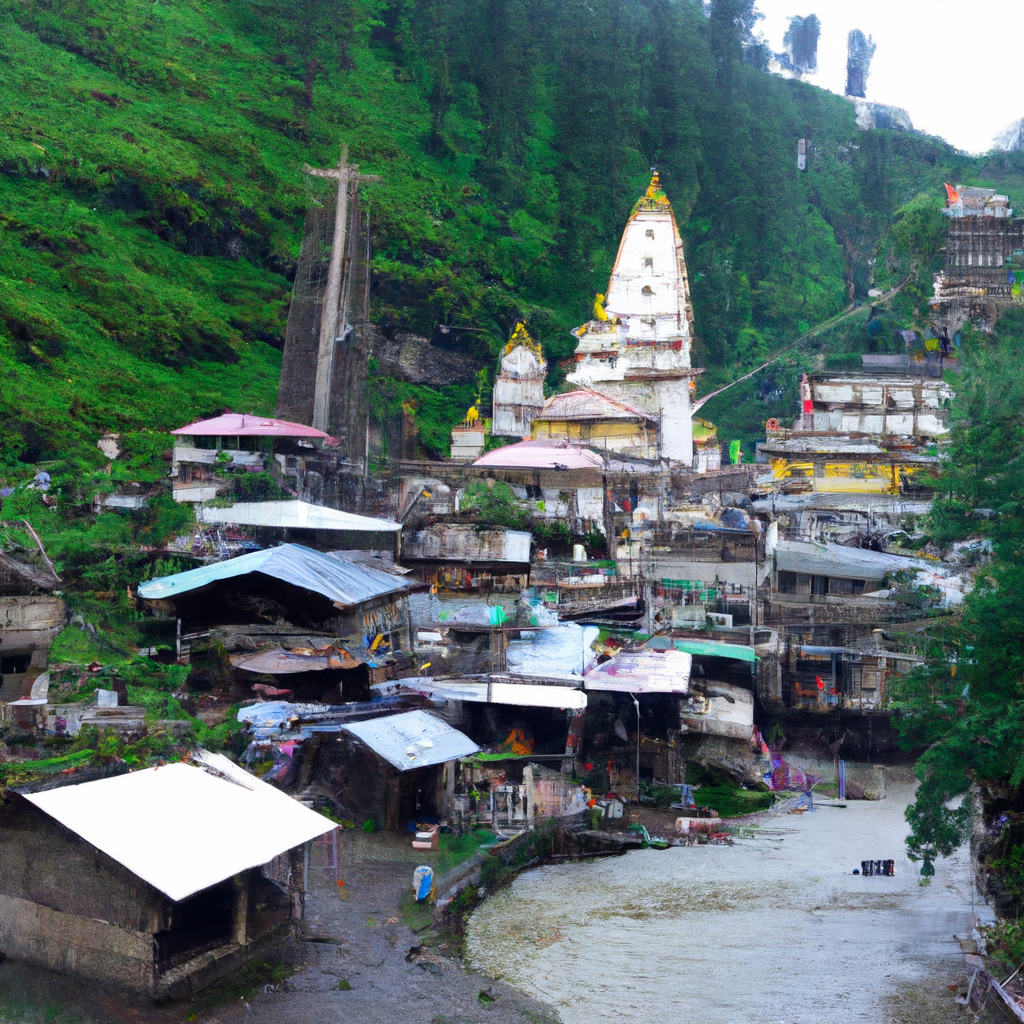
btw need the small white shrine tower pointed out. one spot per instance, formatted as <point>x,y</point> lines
<point>519,389</point>
<point>637,347</point>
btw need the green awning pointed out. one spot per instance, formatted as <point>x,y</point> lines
<point>706,649</point>
<point>702,647</point>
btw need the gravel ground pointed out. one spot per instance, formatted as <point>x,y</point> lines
<point>368,948</point>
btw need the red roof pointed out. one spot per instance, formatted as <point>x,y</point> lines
<point>235,424</point>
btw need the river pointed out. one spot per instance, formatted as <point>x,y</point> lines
<point>775,929</point>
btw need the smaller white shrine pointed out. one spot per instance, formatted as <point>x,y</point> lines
<point>519,389</point>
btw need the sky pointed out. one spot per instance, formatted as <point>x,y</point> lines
<point>950,65</point>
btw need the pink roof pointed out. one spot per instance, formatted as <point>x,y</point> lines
<point>540,455</point>
<point>235,424</point>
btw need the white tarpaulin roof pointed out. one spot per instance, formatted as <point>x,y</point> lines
<point>180,828</point>
<point>414,739</point>
<point>296,515</point>
<point>645,671</point>
<point>565,649</point>
<point>525,695</point>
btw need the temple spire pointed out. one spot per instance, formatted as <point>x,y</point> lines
<point>639,351</point>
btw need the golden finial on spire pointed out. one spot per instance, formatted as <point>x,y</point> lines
<point>654,198</point>
<point>520,336</point>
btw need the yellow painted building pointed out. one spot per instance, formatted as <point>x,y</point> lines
<point>599,422</point>
<point>856,476</point>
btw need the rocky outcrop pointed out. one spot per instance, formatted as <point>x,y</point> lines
<point>881,115</point>
<point>413,359</point>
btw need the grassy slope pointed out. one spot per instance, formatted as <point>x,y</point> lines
<point>119,306</point>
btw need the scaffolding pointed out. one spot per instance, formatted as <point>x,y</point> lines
<point>984,262</point>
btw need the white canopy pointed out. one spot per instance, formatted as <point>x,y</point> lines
<point>180,828</point>
<point>295,515</point>
<point>525,695</point>
<point>648,670</point>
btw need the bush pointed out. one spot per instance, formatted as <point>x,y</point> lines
<point>494,872</point>
<point>259,486</point>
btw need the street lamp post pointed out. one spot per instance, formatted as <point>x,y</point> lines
<point>636,704</point>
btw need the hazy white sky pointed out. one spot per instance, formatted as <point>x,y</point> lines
<point>954,67</point>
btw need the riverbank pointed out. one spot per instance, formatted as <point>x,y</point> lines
<point>773,928</point>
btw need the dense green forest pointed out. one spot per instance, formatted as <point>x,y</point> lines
<point>152,192</point>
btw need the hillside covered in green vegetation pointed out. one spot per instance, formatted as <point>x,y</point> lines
<point>152,190</point>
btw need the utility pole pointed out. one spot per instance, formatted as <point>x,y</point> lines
<point>335,304</point>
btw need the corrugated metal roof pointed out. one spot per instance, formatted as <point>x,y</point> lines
<point>846,563</point>
<point>415,739</point>
<point>540,455</point>
<point>181,829</point>
<point>584,404</point>
<point>295,515</point>
<point>643,671</point>
<point>839,447</point>
<point>331,576</point>
<point>234,424</point>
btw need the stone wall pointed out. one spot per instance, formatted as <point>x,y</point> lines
<point>68,907</point>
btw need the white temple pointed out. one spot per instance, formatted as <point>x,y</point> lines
<point>637,347</point>
<point>519,389</point>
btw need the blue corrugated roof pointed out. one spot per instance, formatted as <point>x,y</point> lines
<point>331,576</point>
<point>414,739</point>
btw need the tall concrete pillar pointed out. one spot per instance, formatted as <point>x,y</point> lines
<point>676,424</point>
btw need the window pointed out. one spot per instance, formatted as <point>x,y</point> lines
<point>787,582</point>
<point>845,588</point>
<point>15,664</point>
<point>649,263</point>
<point>200,922</point>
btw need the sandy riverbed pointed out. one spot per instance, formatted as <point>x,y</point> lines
<point>773,929</point>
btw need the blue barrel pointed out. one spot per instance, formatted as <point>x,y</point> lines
<point>422,881</point>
